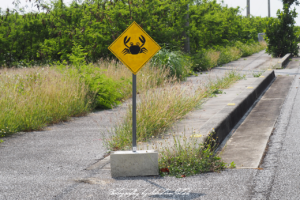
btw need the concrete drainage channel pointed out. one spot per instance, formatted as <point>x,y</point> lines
<point>247,144</point>
<point>225,111</point>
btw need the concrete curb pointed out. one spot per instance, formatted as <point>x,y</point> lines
<point>229,116</point>
<point>283,61</point>
<point>224,120</point>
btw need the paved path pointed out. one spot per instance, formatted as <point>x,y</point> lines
<point>52,164</point>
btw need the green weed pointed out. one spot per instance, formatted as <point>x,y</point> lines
<point>189,157</point>
<point>232,165</point>
<point>258,74</point>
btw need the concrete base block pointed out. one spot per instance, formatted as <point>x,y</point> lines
<point>139,163</point>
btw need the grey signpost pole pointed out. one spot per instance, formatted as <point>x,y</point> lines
<point>269,14</point>
<point>248,8</point>
<point>133,113</point>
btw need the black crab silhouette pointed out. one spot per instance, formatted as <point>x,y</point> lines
<point>134,49</point>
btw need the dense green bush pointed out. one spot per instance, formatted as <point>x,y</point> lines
<point>34,38</point>
<point>281,34</point>
<point>178,63</point>
<point>212,24</point>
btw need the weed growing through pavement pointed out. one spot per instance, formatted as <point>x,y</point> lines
<point>232,165</point>
<point>188,156</point>
<point>258,74</point>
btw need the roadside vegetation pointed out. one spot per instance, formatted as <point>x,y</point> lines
<point>189,157</point>
<point>55,65</point>
<point>32,98</point>
<point>46,37</point>
<point>282,35</point>
<point>159,108</point>
<point>207,59</point>
<point>157,111</point>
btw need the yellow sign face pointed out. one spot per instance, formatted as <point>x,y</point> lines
<point>134,47</point>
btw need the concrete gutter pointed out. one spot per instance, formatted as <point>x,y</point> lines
<point>283,61</point>
<point>225,120</point>
<point>247,144</point>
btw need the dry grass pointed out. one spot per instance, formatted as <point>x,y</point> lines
<point>235,53</point>
<point>160,108</point>
<point>32,98</point>
<point>148,77</point>
<point>212,57</point>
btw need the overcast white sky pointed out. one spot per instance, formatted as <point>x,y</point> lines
<point>257,7</point>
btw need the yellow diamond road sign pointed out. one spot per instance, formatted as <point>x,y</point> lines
<point>134,47</point>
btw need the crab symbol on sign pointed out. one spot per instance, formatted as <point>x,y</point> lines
<point>134,49</point>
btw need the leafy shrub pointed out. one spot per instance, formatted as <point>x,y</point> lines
<point>178,63</point>
<point>105,91</point>
<point>281,34</point>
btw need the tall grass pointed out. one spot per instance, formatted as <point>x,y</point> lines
<point>249,49</point>
<point>207,59</point>
<point>160,108</point>
<point>32,98</point>
<point>147,78</point>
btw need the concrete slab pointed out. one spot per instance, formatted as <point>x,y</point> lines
<point>247,144</point>
<point>139,163</point>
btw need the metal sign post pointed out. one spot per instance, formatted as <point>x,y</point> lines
<point>134,48</point>
<point>133,113</point>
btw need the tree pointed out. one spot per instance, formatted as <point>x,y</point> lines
<point>281,34</point>
<point>290,2</point>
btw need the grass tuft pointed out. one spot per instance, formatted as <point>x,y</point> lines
<point>189,158</point>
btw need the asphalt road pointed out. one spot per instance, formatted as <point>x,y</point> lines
<point>52,164</point>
